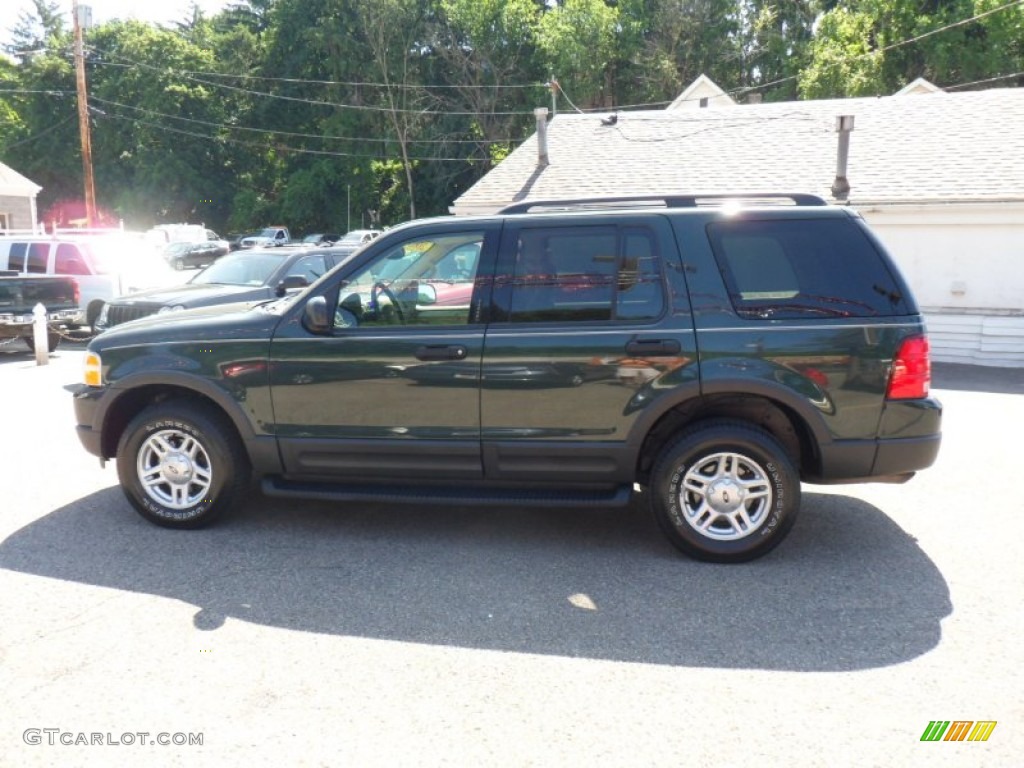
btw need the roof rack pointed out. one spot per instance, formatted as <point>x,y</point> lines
<point>665,201</point>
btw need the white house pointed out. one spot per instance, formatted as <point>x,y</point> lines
<point>939,176</point>
<point>17,200</point>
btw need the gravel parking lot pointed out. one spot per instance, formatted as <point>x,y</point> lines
<point>307,634</point>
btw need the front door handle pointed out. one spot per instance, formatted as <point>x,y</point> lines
<point>429,352</point>
<point>652,347</point>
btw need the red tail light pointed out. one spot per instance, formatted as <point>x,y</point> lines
<point>78,291</point>
<point>911,370</point>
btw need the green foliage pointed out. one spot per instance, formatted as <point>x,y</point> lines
<point>577,41</point>
<point>312,113</point>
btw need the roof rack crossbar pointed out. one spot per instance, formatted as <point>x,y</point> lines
<point>669,201</point>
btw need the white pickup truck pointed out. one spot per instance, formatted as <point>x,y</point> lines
<point>268,236</point>
<point>104,266</point>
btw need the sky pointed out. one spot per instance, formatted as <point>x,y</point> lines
<point>156,11</point>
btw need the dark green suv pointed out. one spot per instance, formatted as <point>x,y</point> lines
<point>712,353</point>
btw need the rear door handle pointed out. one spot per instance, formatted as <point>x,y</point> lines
<point>429,352</point>
<point>652,347</point>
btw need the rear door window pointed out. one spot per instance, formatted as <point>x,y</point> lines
<point>38,253</point>
<point>584,273</point>
<point>799,268</point>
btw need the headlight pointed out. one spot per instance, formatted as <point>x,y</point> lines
<point>172,308</point>
<point>93,373</point>
<point>102,319</point>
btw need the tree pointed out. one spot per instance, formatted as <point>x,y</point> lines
<point>577,42</point>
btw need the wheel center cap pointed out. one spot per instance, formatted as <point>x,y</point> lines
<point>177,468</point>
<point>725,495</point>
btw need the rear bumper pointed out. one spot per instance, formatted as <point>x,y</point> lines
<point>910,434</point>
<point>905,455</point>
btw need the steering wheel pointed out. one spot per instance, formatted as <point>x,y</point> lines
<point>381,288</point>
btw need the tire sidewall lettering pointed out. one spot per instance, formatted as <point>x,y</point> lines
<point>152,428</point>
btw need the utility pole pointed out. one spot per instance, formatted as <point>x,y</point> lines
<point>81,15</point>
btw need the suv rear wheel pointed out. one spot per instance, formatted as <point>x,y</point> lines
<point>180,465</point>
<point>725,491</point>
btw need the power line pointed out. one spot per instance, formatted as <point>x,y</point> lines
<point>274,132</point>
<point>887,48</point>
<point>39,135</point>
<point>321,103</point>
<point>981,82</point>
<point>276,147</point>
<point>360,84</point>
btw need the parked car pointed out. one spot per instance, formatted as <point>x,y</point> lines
<point>249,275</point>
<point>104,265</point>
<point>266,237</point>
<point>200,254</point>
<point>321,238</point>
<point>235,239</point>
<point>359,236</point>
<point>708,353</point>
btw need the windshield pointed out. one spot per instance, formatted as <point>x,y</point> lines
<point>268,232</point>
<point>241,268</point>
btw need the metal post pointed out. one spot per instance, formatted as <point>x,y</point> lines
<point>841,186</point>
<point>541,115</point>
<point>83,114</point>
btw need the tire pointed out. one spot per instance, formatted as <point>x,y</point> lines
<point>52,342</point>
<point>725,492</point>
<point>92,313</point>
<point>174,440</point>
<point>179,264</point>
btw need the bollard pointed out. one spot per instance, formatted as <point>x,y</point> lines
<point>39,335</point>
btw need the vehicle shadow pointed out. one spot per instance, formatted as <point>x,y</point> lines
<point>16,352</point>
<point>848,590</point>
<point>978,378</point>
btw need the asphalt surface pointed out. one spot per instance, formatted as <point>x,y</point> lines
<point>311,634</point>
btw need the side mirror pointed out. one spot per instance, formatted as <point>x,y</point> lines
<point>315,315</point>
<point>290,283</point>
<point>427,294</point>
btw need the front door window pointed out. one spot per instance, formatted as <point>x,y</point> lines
<point>426,281</point>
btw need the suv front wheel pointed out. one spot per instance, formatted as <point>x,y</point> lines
<point>180,465</point>
<point>725,491</point>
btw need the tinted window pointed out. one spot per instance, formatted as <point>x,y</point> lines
<point>37,255</point>
<point>16,261</point>
<point>576,274</point>
<point>803,268</point>
<point>69,261</point>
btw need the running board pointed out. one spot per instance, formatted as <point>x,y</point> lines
<point>427,494</point>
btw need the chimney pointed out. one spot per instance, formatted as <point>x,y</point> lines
<point>841,187</point>
<point>541,113</point>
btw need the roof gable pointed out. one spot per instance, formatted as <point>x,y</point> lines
<point>702,92</point>
<point>14,184</point>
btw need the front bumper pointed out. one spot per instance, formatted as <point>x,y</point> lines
<point>69,316</point>
<point>86,402</point>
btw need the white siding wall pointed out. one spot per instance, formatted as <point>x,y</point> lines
<point>965,264</point>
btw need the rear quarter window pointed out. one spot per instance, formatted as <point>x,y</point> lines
<point>804,268</point>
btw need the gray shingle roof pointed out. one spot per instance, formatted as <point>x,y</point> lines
<point>939,147</point>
